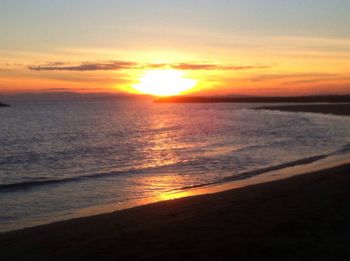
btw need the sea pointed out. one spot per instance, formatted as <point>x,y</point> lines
<point>60,157</point>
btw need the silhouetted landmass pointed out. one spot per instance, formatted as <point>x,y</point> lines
<point>4,105</point>
<point>68,96</point>
<point>336,109</point>
<point>291,99</point>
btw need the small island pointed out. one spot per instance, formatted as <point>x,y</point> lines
<point>4,105</point>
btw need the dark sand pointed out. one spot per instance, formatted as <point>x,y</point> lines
<point>337,109</point>
<point>305,217</point>
<point>301,218</point>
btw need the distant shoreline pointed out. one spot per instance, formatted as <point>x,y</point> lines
<point>335,109</point>
<point>271,99</point>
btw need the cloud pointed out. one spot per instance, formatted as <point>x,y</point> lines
<point>190,66</point>
<point>321,79</point>
<point>292,76</point>
<point>85,66</point>
<point>56,89</point>
<point>128,65</point>
<point>5,70</point>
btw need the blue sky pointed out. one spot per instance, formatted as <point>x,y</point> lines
<point>38,23</point>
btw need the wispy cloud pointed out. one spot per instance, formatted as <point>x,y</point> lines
<point>292,76</point>
<point>194,66</point>
<point>85,66</point>
<point>335,78</point>
<point>128,65</point>
<point>5,70</point>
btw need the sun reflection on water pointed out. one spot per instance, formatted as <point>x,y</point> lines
<point>163,150</point>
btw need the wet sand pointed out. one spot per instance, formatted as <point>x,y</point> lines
<point>305,217</point>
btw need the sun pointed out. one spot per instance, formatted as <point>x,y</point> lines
<point>164,83</point>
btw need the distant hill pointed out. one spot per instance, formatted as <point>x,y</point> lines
<point>271,99</point>
<point>66,96</point>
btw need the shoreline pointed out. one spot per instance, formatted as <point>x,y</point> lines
<point>333,109</point>
<point>269,174</point>
<point>247,214</point>
<point>256,99</point>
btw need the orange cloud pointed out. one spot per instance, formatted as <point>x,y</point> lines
<point>128,65</point>
<point>85,66</point>
<point>189,66</point>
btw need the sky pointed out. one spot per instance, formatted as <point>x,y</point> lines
<point>262,47</point>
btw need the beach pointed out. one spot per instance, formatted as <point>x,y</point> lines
<point>175,130</point>
<point>306,217</point>
<point>301,218</point>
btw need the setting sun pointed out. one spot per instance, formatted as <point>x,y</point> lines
<point>164,83</point>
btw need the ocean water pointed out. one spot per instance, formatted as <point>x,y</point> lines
<point>64,156</point>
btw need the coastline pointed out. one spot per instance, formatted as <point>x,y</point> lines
<point>223,222</point>
<point>258,176</point>
<point>298,215</point>
<point>334,109</point>
<point>256,99</point>
<point>280,170</point>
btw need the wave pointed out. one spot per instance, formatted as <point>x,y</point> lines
<point>28,184</point>
<point>244,175</point>
<point>345,149</point>
<point>248,174</point>
<point>25,185</point>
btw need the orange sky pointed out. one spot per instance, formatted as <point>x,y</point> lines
<point>238,49</point>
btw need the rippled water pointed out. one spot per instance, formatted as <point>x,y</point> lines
<point>69,155</point>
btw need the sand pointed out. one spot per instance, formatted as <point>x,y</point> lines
<point>301,218</point>
<point>305,217</point>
